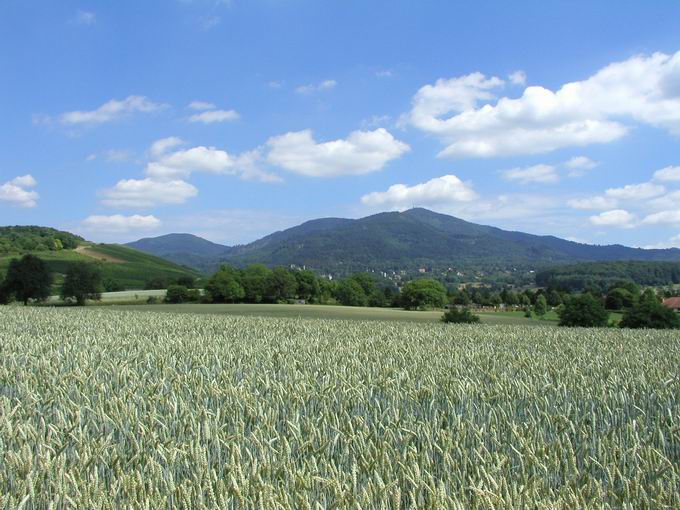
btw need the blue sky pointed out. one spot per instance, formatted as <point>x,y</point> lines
<point>231,119</point>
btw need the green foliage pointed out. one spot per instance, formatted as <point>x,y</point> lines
<point>350,293</point>
<point>583,311</point>
<point>422,294</point>
<point>649,313</point>
<point>607,275</point>
<point>308,287</point>
<point>20,240</point>
<point>541,305</point>
<point>111,285</point>
<point>554,299</point>
<point>27,279</point>
<point>83,281</point>
<point>282,284</point>
<point>255,280</point>
<point>460,316</point>
<point>177,294</point>
<point>187,281</point>
<point>225,286</point>
<point>160,410</point>
<point>620,298</point>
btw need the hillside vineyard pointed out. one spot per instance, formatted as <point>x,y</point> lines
<point>108,409</point>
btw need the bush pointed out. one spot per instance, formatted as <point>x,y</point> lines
<point>462,316</point>
<point>151,300</point>
<point>177,294</point>
<point>350,293</point>
<point>111,285</point>
<point>584,311</point>
<point>651,314</point>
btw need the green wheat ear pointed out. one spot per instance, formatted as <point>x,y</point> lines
<point>107,409</point>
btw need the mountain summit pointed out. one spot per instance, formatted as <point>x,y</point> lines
<point>395,241</point>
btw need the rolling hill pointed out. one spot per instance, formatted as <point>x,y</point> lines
<point>184,249</point>
<point>407,241</point>
<point>123,265</point>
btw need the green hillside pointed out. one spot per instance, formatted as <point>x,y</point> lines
<point>127,267</point>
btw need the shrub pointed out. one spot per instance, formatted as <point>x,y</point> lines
<point>462,316</point>
<point>82,282</point>
<point>425,293</point>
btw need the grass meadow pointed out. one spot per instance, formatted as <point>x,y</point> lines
<point>106,408</point>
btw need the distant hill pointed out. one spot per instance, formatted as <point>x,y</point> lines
<point>126,266</point>
<point>184,249</point>
<point>413,239</point>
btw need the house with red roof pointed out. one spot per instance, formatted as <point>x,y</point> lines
<point>672,303</point>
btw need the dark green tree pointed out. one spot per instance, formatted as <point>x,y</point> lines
<point>366,280</point>
<point>4,293</point>
<point>282,284</point>
<point>541,306</point>
<point>255,280</point>
<point>28,278</point>
<point>186,281</point>
<point>307,286</point>
<point>553,298</point>
<point>649,313</point>
<point>424,293</point>
<point>177,294</point>
<point>619,298</point>
<point>83,281</point>
<point>350,293</point>
<point>225,286</point>
<point>584,311</point>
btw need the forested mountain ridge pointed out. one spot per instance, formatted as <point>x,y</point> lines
<point>414,239</point>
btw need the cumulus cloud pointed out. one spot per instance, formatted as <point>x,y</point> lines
<point>619,218</point>
<point>597,203</point>
<point>668,174</point>
<point>579,165</point>
<point>518,78</point>
<point>361,152</point>
<point>534,174</point>
<point>181,164</point>
<point>316,87</point>
<point>212,116</point>
<point>17,191</point>
<point>119,224</point>
<point>642,191</point>
<point>112,110</point>
<point>144,193</point>
<point>160,147</point>
<point>464,113</point>
<point>663,218</point>
<point>446,190</point>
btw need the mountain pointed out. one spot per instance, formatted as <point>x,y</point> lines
<point>126,267</point>
<point>417,238</point>
<point>184,249</point>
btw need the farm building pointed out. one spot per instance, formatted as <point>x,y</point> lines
<point>672,303</point>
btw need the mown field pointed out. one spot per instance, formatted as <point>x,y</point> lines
<point>102,408</point>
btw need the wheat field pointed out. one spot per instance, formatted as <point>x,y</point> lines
<point>121,409</point>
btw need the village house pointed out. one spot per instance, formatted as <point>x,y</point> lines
<point>672,303</point>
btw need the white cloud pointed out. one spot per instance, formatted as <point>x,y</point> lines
<point>17,191</point>
<point>117,155</point>
<point>460,110</point>
<point>209,22</point>
<point>201,105</point>
<point>112,110</point>
<point>518,78</point>
<point>85,18</point>
<point>579,164</point>
<point>642,191</point>
<point>668,174</point>
<point>533,174</point>
<point>183,163</point>
<point>384,73</point>
<point>160,147</point>
<point>444,190</point>
<point>667,201</point>
<point>316,87</point>
<point>144,193</point>
<point>212,116</point>
<point>360,153</point>
<point>619,218</point>
<point>118,223</point>
<point>275,84</point>
<point>598,203</point>
<point>673,242</point>
<point>663,218</point>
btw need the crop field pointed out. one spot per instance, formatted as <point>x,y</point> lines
<point>102,408</point>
